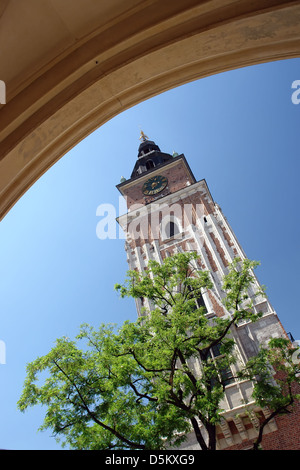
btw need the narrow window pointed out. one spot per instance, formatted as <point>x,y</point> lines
<point>171,229</point>
<point>225,372</point>
<point>200,303</point>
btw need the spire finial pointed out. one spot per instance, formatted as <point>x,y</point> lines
<point>143,137</point>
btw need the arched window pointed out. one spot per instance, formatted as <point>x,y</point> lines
<point>149,164</point>
<point>171,229</point>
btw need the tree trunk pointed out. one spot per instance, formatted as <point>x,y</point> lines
<point>198,434</point>
<point>212,439</point>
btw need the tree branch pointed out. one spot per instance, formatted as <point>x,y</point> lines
<point>281,410</point>
<point>94,418</point>
<point>141,395</point>
<point>131,351</point>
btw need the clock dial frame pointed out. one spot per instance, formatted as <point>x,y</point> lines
<point>154,185</point>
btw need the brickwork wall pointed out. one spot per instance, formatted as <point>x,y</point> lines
<point>287,434</point>
<point>177,176</point>
<point>287,437</point>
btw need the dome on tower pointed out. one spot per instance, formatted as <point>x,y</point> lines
<point>149,156</point>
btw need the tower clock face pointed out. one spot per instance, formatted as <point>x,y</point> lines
<point>154,185</point>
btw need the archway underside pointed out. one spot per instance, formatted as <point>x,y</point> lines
<point>91,61</point>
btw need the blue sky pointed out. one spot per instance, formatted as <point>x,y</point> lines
<point>239,130</point>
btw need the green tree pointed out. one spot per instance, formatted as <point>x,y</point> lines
<point>137,386</point>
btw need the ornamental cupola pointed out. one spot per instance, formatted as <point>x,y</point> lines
<point>149,156</point>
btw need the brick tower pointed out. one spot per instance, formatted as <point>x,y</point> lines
<point>170,212</point>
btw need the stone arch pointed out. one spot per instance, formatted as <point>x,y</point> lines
<point>84,62</point>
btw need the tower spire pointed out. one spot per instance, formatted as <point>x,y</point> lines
<point>143,137</point>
